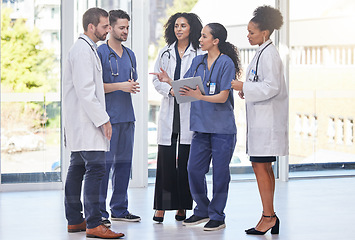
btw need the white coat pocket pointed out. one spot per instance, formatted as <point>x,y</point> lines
<point>262,116</point>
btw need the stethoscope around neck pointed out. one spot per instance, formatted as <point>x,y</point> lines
<point>92,48</point>
<point>165,58</point>
<point>113,55</point>
<point>256,78</point>
<point>167,55</point>
<point>208,83</point>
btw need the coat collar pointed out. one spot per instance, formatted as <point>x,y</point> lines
<point>189,50</point>
<point>262,46</point>
<point>89,40</point>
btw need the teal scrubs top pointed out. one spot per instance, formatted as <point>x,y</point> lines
<point>118,103</point>
<point>209,117</point>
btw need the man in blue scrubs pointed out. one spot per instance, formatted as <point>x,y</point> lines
<point>119,76</point>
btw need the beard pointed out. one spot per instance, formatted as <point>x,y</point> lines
<point>101,37</point>
<point>121,38</point>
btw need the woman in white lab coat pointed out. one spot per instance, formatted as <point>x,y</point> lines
<point>172,192</point>
<point>266,98</point>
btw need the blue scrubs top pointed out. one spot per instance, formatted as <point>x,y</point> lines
<point>209,117</point>
<point>118,103</point>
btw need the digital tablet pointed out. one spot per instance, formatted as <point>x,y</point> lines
<point>191,82</point>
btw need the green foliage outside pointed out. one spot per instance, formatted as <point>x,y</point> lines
<point>180,6</point>
<point>26,67</point>
<point>177,6</point>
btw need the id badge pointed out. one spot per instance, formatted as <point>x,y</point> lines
<point>252,74</point>
<point>212,88</point>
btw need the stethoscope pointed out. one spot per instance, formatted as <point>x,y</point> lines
<point>255,79</point>
<point>95,52</point>
<point>167,55</point>
<point>204,69</point>
<point>165,59</point>
<point>113,55</point>
<point>89,45</point>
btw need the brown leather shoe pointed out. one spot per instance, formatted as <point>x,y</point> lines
<point>78,227</point>
<point>102,231</point>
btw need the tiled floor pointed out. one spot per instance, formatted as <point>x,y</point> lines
<point>309,209</point>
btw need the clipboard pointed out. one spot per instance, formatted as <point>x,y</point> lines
<point>191,82</point>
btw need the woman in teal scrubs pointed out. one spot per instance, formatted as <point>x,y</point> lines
<point>212,121</point>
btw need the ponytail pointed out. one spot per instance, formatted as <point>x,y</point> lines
<point>231,51</point>
<point>220,32</point>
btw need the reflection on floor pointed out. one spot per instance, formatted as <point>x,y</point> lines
<point>309,209</point>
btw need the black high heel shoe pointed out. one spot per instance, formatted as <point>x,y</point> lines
<point>274,229</point>
<point>180,217</point>
<point>158,219</point>
<point>258,222</point>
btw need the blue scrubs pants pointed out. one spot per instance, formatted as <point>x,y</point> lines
<point>219,148</point>
<point>119,160</point>
<point>92,165</point>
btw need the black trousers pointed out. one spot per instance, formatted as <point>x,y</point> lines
<point>172,190</point>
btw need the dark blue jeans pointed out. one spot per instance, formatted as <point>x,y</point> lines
<point>90,164</point>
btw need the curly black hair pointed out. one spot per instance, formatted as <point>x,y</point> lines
<point>267,18</point>
<point>220,32</point>
<point>195,28</point>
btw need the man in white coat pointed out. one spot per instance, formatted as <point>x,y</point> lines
<point>87,129</point>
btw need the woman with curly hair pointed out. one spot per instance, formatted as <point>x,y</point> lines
<point>266,100</point>
<point>212,121</point>
<point>172,191</point>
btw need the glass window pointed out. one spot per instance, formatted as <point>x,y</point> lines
<point>322,88</point>
<point>124,5</point>
<point>30,92</point>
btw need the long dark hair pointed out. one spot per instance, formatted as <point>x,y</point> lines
<point>220,32</point>
<point>267,18</point>
<point>195,28</point>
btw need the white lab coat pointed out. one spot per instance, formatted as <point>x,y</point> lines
<point>266,105</point>
<point>166,113</point>
<point>84,99</point>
